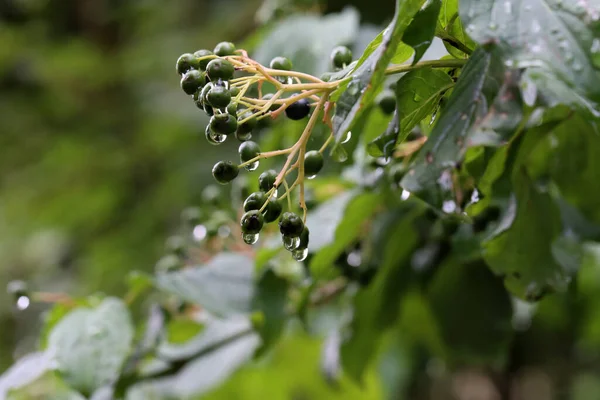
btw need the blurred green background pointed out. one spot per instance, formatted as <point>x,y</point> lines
<point>100,149</point>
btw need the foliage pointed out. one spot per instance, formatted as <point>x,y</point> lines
<point>455,238</point>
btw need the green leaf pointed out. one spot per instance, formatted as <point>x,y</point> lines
<point>26,370</point>
<point>384,144</point>
<point>319,36</point>
<point>215,332</point>
<point>431,174</point>
<point>335,225</point>
<point>271,300</point>
<point>557,38</point>
<point>417,95</point>
<point>370,74</point>
<point>421,30</point>
<point>470,293</point>
<point>224,286</point>
<point>89,345</point>
<point>376,306</point>
<point>521,248</point>
<point>450,29</point>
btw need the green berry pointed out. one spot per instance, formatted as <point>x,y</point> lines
<point>298,110</point>
<point>387,101</point>
<point>341,56</point>
<point>219,69</point>
<point>17,289</point>
<point>232,108</point>
<point>225,49</point>
<point>281,63</point>
<point>168,263</point>
<point>203,53</point>
<point>191,216</point>
<point>218,96</point>
<point>266,180</point>
<point>273,210</point>
<point>243,136</point>
<point>185,62</point>
<point>255,201</point>
<point>252,222</point>
<point>176,245</point>
<point>225,171</point>
<point>313,163</point>
<point>248,125</point>
<point>234,90</point>
<point>192,80</point>
<point>268,97</point>
<point>290,224</point>
<point>248,150</point>
<point>223,123</point>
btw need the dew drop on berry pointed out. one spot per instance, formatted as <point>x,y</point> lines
<point>253,166</point>
<point>291,243</point>
<point>250,238</point>
<point>217,137</point>
<point>300,254</point>
<point>22,303</point>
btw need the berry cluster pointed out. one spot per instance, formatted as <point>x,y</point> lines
<point>221,82</point>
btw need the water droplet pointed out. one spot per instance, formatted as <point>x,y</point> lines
<point>23,303</point>
<point>339,154</point>
<point>493,26</point>
<point>224,231</point>
<point>253,166</point>
<point>508,7</point>
<point>405,195</point>
<point>595,50</point>
<point>199,232</point>
<point>429,157</point>
<point>463,117</point>
<point>214,138</point>
<point>275,192</point>
<point>291,243</point>
<point>353,88</point>
<point>354,259</point>
<point>449,206</point>
<point>300,254</point>
<point>347,137</point>
<point>311,177</point>
<point>250,238</point>
<point>417,98</point>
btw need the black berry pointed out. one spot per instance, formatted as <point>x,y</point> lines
<point>192,80</point>
<point>291,225</point>
<point>266,180</point>
<point>298,110</point>
<point>252,222</point>
<point>387,101</point>
<point>185,62</point>
<point>225,171</point>
<point>255,201</point>
<point>248,150</point>
<point>281,63</point>
<point>218,97</point>
<point>273,210</point>
<point>219,69</point>
<point>223,123</point>
<point>203,53</point>
<point>313,163</point>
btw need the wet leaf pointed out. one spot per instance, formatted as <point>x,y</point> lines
<point>90,345</point>
<point>224,286</point>
<point>271,300</point>
<point>26,370</point>
<point>384,144</point>
<point>557,38</point>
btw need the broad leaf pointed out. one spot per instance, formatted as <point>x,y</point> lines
<point>338,224</point>
<point>24,371</point>
<point>90,346</point>
<point>319,36</point>
<point>376,307</point>
<point>451,30</point>
<point>431,174</point>
<point>370,74</point>
<point>384,144</point>
<point>271,300</point>
<point>417,96</point>
<point>421,31</point>
<point>224,286</point>
<point>558,38</point>
<point>470,293</point>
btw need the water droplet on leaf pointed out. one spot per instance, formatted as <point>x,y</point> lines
<point>347,137</point>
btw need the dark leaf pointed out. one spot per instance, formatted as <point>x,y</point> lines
<point>421,30</point>
<point>384,144</point>
<point>271,300</point>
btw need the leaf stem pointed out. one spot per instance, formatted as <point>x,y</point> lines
<point>454,63</point>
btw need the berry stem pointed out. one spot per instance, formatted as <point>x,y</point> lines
<point>329,139</point>
<point>266,154</point>
<point>287,194</point>
<point>396,69</point>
